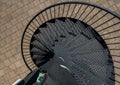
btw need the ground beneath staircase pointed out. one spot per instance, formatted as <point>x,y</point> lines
<point>14,16</point>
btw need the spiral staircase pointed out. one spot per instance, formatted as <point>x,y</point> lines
<point>80,37</point>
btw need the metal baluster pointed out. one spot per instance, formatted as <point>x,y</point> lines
<point>104,22</point>
<point>113,43</point>
<point>111,38</point>
<point>94,16</point>
<point>83,12</point>
<point>88,14</point>
<point>27,39</point>
<point>73,10</point>
<point>54,13</point>
<point>47,15</point>
<point>37,21</point>
<point>110,32</point>
<point>63,10</point>
<point>78,11</point>
<point>116,67</point>
<point>26,42</point>
<point>116,55</point>
<point>29,33</point>
<point>109,26</point>
<point>34,25</point>
<point>68,9</point>
<point>27,36</point>
<point>31,30</point>
<point>26,45</point>
<point>115,74</point>
<point>40,19</point>
<point>50,13</point>
<point>114,80</point>
<point>59,11</point>
<point>99,18</point>
<point>43,16</point>
<point>114,49</point>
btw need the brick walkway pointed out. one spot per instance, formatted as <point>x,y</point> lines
<point>14,16</point>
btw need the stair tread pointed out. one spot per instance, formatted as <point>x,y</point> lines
<point>37,57</point>
<point>37,44</point>
<point>86,77</point>
<point>88,32</point>
<point>93,44</point>
<point>75,40</point>
<point>51,30</point>
<point>40,62</point>
<point>96,56</point>
<point>69,25</point>
<point>62,26</point>
<point>67,39</point>
<point>79,26</point>
<point>46,35</point>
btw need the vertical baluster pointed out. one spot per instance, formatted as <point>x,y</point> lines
<point>83,12</point>
<point>78,11</point>
<point>99,19</point>
<point>73,10</point>
<point>109,26</point>
<point>40,19</point>
<point>94,16</point>
<point>47,15</point>
<point>88,14</point>
<point>63,10</point>
<point>104,22</point>
<point>68,9</point>
<point>50,13</point>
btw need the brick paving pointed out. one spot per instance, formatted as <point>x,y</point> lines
<point>14,16</point>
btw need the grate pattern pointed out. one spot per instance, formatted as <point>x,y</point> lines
<point>80,51</point>
<point>51,29</point>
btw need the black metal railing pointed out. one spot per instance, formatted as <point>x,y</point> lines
<point>104,21</point>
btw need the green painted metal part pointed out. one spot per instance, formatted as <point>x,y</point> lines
<point>41,75</point>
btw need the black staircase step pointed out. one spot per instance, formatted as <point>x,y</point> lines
<point>88,32</point>
<point>61,25</point>
<point>37,57</point>
<point>69,24</point>
<point>40,62</point>
<point>60,28</point>
<point>67,39</point>
<point>37,50</point>
<point>38,45</point>
<point>101,72</point>
<point>98,57</point>
<point>46,36</point>
<point>44,43</point>
<point>86,76</point>
<point>79,26</point>
<point>75,40</point>
<point>53,30</point>
<point>93,44</point>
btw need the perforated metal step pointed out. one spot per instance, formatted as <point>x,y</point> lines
<point>73,44</point>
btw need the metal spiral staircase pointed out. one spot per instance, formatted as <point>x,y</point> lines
<point>81,37</point>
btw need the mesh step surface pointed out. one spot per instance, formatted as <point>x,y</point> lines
<point>70,43</point>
